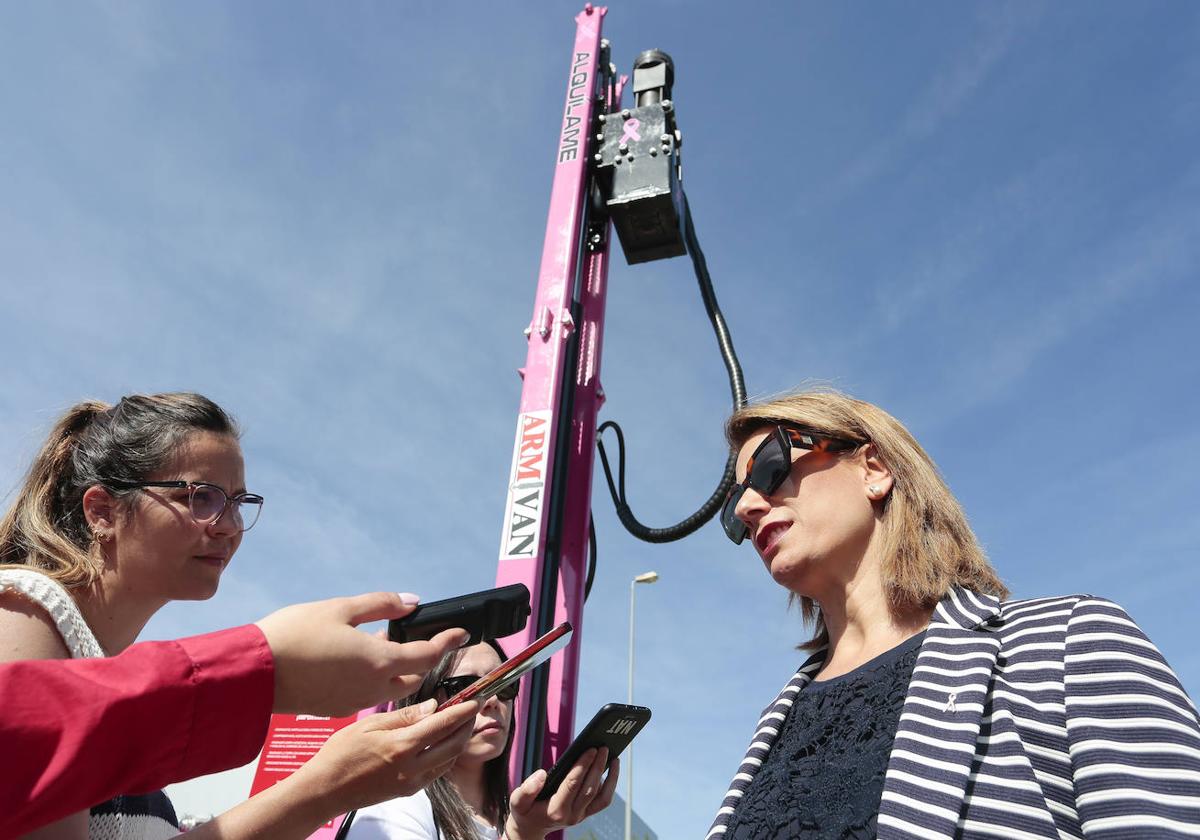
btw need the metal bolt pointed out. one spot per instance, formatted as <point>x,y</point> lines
<point>617,161</point>
<point>666,138</point>
<point>629,158</point>
<point>528,332</point>
<point>603,118</point>
<point>600,136</point>
<point>653,152</point>
<point>667,105</point>
<point>625,113</point>
<point>596,238</point>
<point>624,147</point>
<point>599,158</point>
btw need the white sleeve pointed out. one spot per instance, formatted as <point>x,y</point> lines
<point>406,818</point>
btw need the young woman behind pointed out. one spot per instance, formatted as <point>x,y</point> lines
<point>471,802</point>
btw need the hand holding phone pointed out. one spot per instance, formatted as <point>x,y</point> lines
<point>614,726</point>
<point>509,672</point>
<point>486,615</point>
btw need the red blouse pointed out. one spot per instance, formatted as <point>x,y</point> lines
<point>77,732</point>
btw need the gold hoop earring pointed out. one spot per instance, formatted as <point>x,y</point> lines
<point>99,536</point>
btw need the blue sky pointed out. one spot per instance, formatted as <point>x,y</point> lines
<point>984,217</point>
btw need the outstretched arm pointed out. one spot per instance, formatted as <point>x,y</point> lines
<point>380,757</point>
<point>79,725</point>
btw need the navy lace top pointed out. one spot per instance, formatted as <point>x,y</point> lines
<point>824,775</point>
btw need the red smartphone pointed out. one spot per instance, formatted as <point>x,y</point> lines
<point>509,672</point>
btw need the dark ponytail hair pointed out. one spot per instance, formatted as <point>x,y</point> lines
<point>46,528</point>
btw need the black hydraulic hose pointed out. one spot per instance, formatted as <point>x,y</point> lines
<point>737,382</point>
<point>737,385</point>
<point>591,569</point>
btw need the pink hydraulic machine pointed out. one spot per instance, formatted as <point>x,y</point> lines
<point>615,167</point>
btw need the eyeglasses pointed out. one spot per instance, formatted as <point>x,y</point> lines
<point>207,502</point>
<point>452,685</point>
<point>770,464</point>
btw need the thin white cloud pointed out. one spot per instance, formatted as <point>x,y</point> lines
<point>949,92</point>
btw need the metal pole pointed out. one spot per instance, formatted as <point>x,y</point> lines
<point>629,749</point>
<point>644,577</point>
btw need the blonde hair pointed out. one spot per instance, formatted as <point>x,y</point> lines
<point>89,445</point>
<point>927,545</point>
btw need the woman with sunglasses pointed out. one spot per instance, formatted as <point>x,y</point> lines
<point>471,802</point>
<point>931,706</point>
<point>128,507</point>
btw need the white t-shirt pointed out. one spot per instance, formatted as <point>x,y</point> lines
<point>406,818</point>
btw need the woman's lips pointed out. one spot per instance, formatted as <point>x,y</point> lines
<point>218,560</point>
<point>768,537</point>
<point>491,726</point>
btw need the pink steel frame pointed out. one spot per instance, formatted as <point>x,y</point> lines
<point>542,396</point>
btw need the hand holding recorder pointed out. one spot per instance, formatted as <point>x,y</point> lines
<point>325,666</point>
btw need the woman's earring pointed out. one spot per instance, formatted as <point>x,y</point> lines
<point>99,536</point>
<point>874,491</point>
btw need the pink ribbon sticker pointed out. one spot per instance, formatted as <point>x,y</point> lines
<point>631,130</point>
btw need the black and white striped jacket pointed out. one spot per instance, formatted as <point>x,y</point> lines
<point>1044,718</point>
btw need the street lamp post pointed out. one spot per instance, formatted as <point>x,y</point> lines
<point>647,577</point>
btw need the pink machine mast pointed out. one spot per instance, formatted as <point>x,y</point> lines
<point>544,539</point>
<point>616,167</point>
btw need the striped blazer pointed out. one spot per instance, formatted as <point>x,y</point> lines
<point>1043,718</point>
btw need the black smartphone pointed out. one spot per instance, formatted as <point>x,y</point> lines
<point>491,614</point>
<point>614,726</point>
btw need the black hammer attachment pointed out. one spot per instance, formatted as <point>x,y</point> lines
<point>639,165</point>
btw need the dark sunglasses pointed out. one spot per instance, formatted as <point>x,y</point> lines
<point>452,685</point>
<point>770,464</point>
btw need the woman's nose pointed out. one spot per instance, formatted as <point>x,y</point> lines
<point>227,524</point>
<point>751,506</point>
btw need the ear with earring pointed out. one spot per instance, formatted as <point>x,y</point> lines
<point>100,536</point>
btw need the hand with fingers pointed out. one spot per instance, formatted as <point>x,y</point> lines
<point>386,755</point>
<point>325,666</point>
<point>377,758</point>
<point>583,792</point>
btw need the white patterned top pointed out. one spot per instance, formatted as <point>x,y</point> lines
<point>59,605</point>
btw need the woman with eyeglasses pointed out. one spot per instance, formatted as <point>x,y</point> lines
<point>128,507</point>
<point>471,802</point>
<point>931,706</point>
